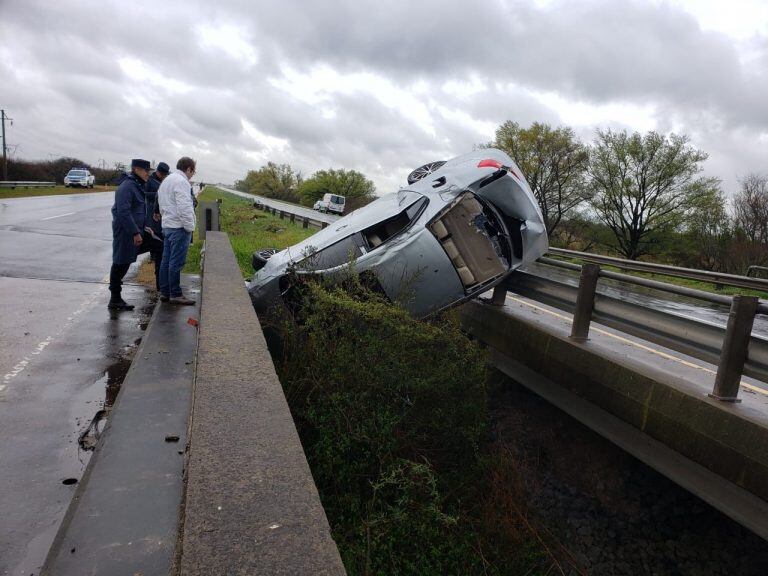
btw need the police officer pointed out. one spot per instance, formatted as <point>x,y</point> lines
<point>153,217</point>
<point>128,219</point>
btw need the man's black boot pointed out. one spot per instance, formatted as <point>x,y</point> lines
<point>117,303</point>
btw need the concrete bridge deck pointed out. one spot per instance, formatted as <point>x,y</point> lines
<point>649,400</point>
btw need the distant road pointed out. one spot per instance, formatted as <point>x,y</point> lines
<point>286,206</point>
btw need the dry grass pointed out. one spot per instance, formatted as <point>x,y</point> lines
<point>146,273</point>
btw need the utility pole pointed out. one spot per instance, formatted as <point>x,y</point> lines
<point>5,147</point>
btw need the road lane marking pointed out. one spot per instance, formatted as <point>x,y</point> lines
<point>22,365</point>
<point>60,216</point>
<point>686,363</point>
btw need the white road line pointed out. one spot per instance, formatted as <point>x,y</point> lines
<point>22,365</point>
<point>60,216</point>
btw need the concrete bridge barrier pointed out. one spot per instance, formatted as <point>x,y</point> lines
<point>251,503</point>
<point>635,395</point>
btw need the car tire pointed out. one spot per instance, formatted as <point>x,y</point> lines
<point>424,170</point>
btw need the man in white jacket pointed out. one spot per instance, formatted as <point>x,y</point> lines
<point>178,219</point>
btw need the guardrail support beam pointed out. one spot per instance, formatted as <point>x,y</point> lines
<point>585,302</point>
<point>305,224</point>
<point>323,225</point>
<point>735,348</point>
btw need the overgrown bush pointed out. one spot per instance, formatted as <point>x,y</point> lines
<point>392,415</point>
<point>393,419</point>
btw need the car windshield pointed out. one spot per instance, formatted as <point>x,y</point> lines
<point>337,199</point>
<point>76,173</point>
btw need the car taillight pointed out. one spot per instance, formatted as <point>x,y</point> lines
<point>491,163</point>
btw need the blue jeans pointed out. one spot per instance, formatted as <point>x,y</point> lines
<point>175,246</point>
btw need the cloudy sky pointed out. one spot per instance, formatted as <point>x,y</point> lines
<point>379,87</point>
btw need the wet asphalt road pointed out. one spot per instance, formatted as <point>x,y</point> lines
<point>61,352</point>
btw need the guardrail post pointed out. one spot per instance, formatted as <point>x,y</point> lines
<point>323,225</point>
<point>282,215</point>
<point>499,294</point>
<point>305,223</point>
<point>585,302</point>
<point>274,211</point>
<point>293,217</point>
<point>735,348</point>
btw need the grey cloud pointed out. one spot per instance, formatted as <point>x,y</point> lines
<point>601,51</point>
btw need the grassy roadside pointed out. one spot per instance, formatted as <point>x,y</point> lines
<point>248,230</point>
<point>52,191</point>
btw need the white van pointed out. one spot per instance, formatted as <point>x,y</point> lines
<point>331,203</point>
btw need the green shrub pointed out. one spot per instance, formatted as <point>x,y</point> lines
<point>392,415</point>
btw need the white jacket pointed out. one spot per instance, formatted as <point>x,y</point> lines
<point>175,199</point>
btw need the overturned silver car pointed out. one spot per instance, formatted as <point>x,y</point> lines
<point>458,228</point>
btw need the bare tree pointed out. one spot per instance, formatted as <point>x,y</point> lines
<point>750,207</point>
<point>644,186</point>
<point>554,162</point>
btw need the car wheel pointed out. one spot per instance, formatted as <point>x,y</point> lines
<point>423,171</point>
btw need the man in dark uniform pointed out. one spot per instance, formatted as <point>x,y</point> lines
<point>153,217</point>
<point>128,218</point>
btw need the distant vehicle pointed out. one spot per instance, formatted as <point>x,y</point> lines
<point>331,203</point>
<point>456,230</point>
<point>79,177</point>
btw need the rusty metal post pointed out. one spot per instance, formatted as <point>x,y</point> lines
<point>735,348</point>
<point>585,302</point>
<point>499,294</point>
<point>305,223</point>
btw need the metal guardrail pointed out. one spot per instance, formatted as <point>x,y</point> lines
<point>734,349</point>
<point>12,184</point>
<point>718,278</point>
<point>753,270</point>
<point>306,221</point>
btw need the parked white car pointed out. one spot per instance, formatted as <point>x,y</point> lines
<point>331,203</point>
<point>79,177</point>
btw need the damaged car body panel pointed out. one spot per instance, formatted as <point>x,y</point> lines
<point>453,233</point>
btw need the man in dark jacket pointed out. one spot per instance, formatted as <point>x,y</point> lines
<point>128,219</point>
<point>153,216</point>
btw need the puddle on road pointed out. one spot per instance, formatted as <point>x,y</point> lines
<point>111,380</point>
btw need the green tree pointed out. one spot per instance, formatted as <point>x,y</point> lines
<point>708,233</point>
<point>277,181</point>
<point>644,186</point>
<point>351,184</point>
<point>554,163</point>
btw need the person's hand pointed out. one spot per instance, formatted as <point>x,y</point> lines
<point>156,217</point>
<point>137,239</point>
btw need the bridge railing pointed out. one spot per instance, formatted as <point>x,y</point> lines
<point>717,278</point>
<point>734,350</point>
